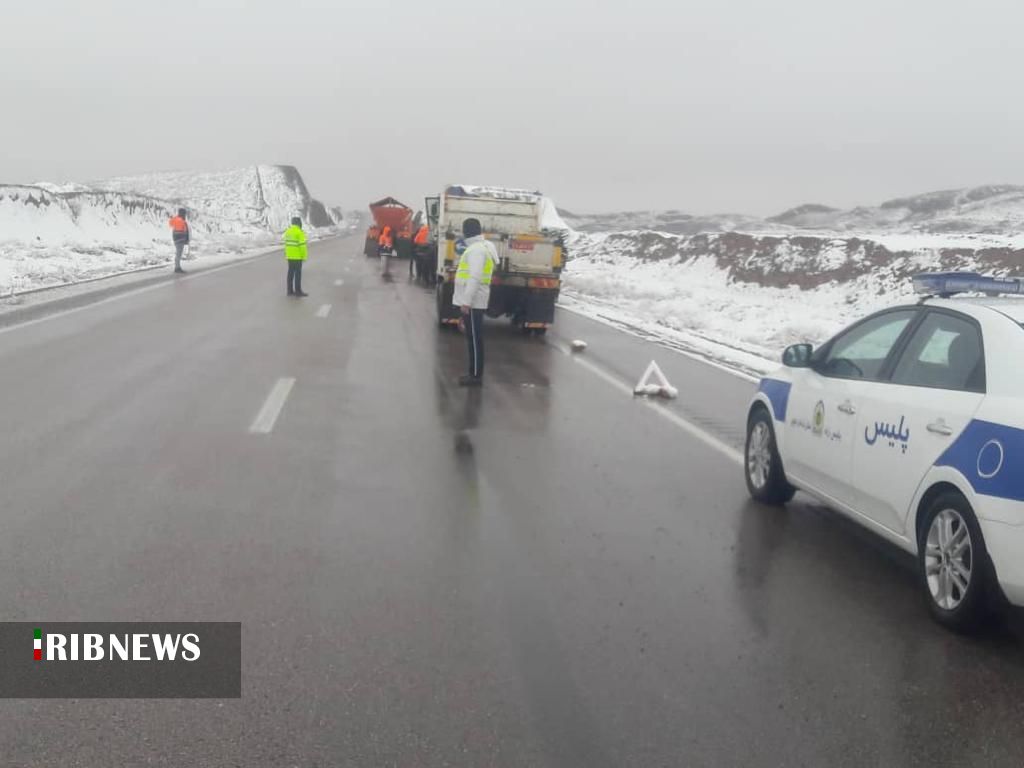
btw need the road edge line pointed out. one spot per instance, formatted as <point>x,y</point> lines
<point>706,360</point>
<point>687,426</point>
<point>132,292</point>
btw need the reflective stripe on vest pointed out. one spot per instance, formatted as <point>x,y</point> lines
<point>463,271</point>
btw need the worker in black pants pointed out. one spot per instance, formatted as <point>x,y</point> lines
<point>472,295</point>
<point>296,251</point>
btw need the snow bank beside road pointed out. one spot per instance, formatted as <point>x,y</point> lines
<point>52,234</point>
<point>262,196</point>
<point>742,299</point>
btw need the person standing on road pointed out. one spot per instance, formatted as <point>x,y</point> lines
<point>473,294</point>
<point>295,252</point>
<point>420,250</point>
<point>386,243</point>
<point>181,235</point>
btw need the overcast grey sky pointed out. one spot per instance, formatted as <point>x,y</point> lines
<point>702,105</point>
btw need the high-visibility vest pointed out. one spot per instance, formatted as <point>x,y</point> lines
<point>179,230</point>
<point>462,273</point>
<point>295,244</point>
<point>385,238</point>
<point>423,236</point>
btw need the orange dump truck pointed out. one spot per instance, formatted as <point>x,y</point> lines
<point>390,213</point>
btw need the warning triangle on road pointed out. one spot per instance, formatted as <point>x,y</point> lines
<point>654,383</point>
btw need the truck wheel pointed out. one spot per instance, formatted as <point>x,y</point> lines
<point>540,331</point>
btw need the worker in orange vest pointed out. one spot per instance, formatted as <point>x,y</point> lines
<point>181,235</point>
<point>421,252</point>
<point>372,241</point>
<point>386,244</point>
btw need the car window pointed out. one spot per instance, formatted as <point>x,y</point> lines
<point>945,352</point>
<point>861,352</point>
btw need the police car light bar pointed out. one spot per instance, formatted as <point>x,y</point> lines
<point>950,283</point>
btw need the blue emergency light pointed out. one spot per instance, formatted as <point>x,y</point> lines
<point>950,283</point>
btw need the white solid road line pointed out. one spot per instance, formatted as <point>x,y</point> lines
<point>267,417</point>
<point>694,431</point>
<point>324,310</point>
<point>602,373</point>
<point>339,282</point>
<point>672,348</point>
<point>666,413</point>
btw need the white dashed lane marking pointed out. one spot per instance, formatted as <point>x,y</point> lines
<point>267,417</point>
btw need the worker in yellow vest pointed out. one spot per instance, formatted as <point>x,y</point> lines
<point>473,294</point>
<point>295,252</point>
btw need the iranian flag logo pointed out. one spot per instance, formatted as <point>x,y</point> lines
<point>37,645</point>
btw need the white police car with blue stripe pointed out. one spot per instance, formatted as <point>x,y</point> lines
<point>911,422</point>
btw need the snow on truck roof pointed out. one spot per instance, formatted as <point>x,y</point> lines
<point>498,193</point>
<point>549,216</point>
<point>389,202</point>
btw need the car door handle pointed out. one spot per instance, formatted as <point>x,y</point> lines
<point>940,428</point>
<point>847,407</point>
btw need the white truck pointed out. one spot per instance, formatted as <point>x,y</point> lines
<point>530,239</point>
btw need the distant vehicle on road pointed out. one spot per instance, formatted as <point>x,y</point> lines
<point>531,254</point>
<point>911,422</point>
<point>389,213</point>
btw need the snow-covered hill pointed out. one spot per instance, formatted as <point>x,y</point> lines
<point>987,210</point>
<point>996,209</point>
<point>674,222</point>
<point>56,233</point>
<point>265,196</point>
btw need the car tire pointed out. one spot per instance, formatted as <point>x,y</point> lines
<point>762,465</point>
<point>953,565</point>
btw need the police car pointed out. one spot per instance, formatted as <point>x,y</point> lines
<point>911,422</point>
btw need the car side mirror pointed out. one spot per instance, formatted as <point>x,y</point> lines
<point>798,356</point>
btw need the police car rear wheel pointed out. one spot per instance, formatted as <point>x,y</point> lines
<point>954,565</point>
<point>766,480</point>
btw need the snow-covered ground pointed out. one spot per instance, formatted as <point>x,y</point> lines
<point>741,288</point>
<point>741,299</point>
<point>52,234</point>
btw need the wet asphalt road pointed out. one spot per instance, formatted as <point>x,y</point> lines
<point>542,573</point>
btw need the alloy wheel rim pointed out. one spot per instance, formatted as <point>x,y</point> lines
<point>759,456</point>
<point>949,559</point>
